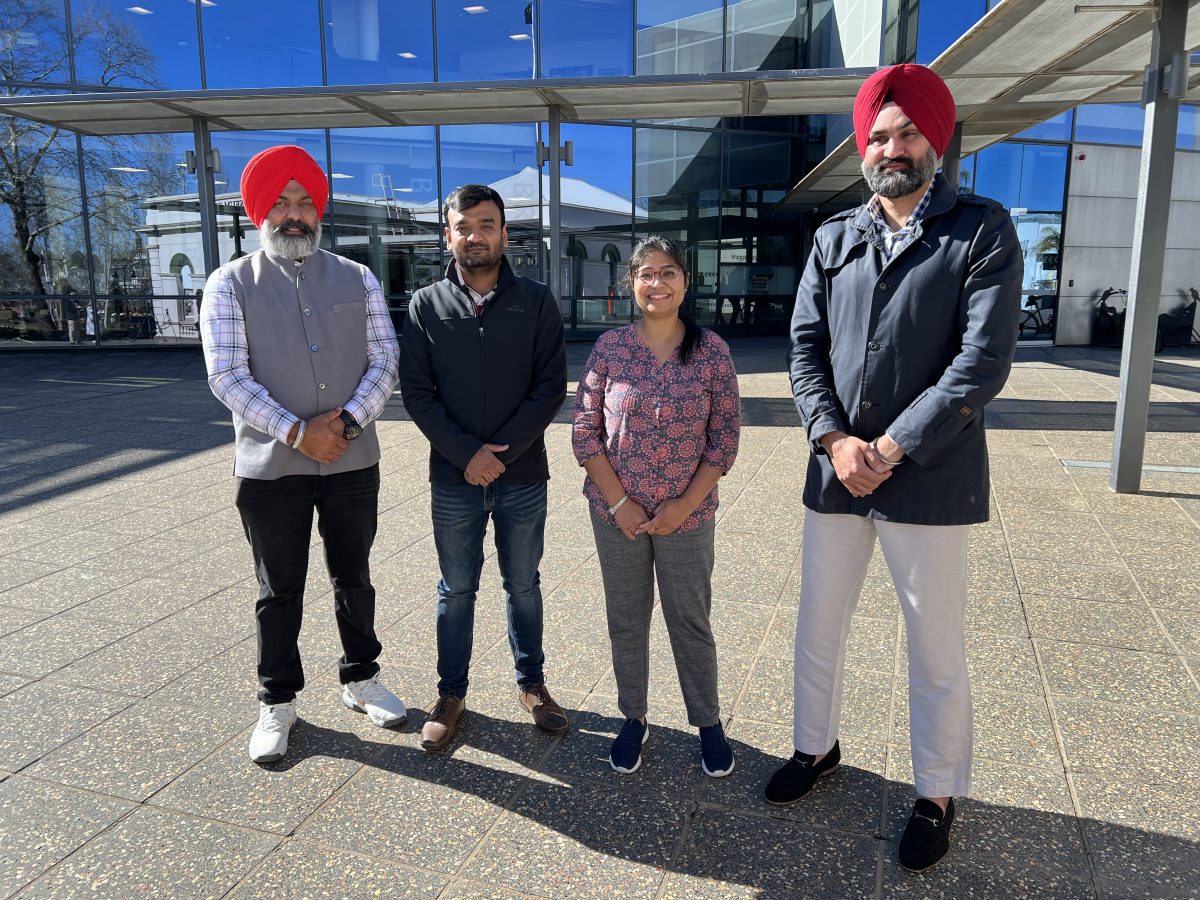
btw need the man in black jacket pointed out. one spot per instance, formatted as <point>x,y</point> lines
<point>483,372</point>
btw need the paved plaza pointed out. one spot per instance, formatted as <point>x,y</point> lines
<point>127,671</point>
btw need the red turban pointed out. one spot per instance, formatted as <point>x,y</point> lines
<point>268,173</point>
<point>919,91</point>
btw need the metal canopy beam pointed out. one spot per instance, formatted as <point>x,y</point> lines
<point>1149,240</point>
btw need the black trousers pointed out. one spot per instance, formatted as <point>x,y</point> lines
<point>277,516</point>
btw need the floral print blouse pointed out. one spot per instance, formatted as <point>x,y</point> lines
<point>656,423</point>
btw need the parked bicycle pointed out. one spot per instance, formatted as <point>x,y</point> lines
<point>1108,322</point>
<point>1037,320</point>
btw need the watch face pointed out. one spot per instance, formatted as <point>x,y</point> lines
<point>352,429</point>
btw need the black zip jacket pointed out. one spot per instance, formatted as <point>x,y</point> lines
<point>496,378</point>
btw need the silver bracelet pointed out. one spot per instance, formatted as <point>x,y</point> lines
<point>882,458</point>
<point>612,510</point>
<point>299,436</point>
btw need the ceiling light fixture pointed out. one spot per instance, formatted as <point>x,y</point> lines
<point>407,55</point>
<point>520,37</point>
<point>340,175</point>
<point>139,10</point>
<point>125,169</point>
<point>475,10</point>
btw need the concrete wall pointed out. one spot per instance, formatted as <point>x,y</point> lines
<point>1099,234</point>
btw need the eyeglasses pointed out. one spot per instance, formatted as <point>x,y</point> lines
<point>665,275</point>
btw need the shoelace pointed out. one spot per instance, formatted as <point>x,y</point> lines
<point>372,691</point>
<point>270,720</point>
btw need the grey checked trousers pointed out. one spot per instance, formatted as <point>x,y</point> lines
<point>683,564</point>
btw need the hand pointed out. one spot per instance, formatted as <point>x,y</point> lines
<point>667,518</point>
<point>323,439</point>
<point>630,517</point>
<point>852,465</point>
<point>484,468</point>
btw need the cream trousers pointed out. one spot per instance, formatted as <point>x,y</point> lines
<point>928,565</point>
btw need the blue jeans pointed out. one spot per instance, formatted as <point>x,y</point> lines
<point>460,515</point>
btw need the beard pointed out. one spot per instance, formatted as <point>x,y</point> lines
<point>488,259</point>
<point>900,182</point>
<point>290,246</point>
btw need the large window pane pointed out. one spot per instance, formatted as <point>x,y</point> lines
<point>1057,128</point>
<point>597,222</point>
<point>766,34</point>
<point>151,44</point>
<point>41,227</point>
<point>33,42</point>
<point>145,227</point>
<point>677,182</point>
<point>379,41</point>
<point>1109,123</point>
<point>942,22</point>
<point>1189,127</point>
<point>504,157</point>
<point>585,38</point>
<point>385,206</point>
<point>1023,176</point>
<point>488,40</point>
<point>261,43</point>
<point>676,37</point>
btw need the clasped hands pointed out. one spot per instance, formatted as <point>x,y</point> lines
<point>668,516</point>
<point>860,467</point>
<point>323,439</point>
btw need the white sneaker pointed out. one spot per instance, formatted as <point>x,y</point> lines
<point>270,739</point>
<point>382,707</point>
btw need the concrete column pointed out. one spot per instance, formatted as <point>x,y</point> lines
<point>208,206</point>
<point>1161,99</point>
<point>952,159</point>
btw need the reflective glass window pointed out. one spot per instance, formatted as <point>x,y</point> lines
<point>1109,123</point>
<point>238,236</point>
<point>385,206</point>
<point>484,41</point>
<point>147,250</point>
<point>33,42</point>
<point>942,22</point>
<point>43,258</point>
<point>261,43</point>
<point>1057,128</point>
<point>1025,176</point>
<point>148,44</point>
<point>586,38</point>
<point>1189,127</point>
<point>503,156</point>
<point>676,37</point>
<point>597,223</point>
<point>899,32</point>
<point>379,41</point>
<point>766,34</point>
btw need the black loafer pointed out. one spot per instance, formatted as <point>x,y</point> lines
<point>927,835</point>
<point>799,774</point>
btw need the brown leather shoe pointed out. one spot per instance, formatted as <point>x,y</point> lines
<point>438,733</point>
<point>547,714</point>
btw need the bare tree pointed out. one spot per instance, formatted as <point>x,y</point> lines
<point>39,165</point>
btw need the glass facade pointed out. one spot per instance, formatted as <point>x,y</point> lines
<point>102,238</point>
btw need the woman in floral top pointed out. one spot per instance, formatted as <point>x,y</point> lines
<point>656,426</point>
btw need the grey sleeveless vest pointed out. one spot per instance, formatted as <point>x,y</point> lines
<point>306,328</point>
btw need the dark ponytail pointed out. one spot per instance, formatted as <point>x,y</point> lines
<point>658,244</point>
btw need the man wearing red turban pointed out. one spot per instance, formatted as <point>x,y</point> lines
<point>904,327</point>
<point>300,346</point>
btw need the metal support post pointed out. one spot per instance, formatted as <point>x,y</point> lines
<point>208,206</point>
<point>555,156</point>
<point>1161,99</point>
<point>952,159</point>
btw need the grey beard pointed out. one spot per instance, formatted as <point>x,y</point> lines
<point>893,185</point>
<point>287,246</point>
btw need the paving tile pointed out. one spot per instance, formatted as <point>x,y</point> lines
<point>1063,579</point>
<point>967,875</point>
<point>66,588</point>
<point>143,601</point>
<point>9,683</point>
<point>42,823</point>
<point>137,751</point>
<point>160,854</point>
<point>41,716</point>
<point>726,854</point>
<point>409,806</point>
<point>1124,625</point>
<point>1142,834</point>
<point>1155,747</point>
<point>15,571</point>
<point>1002,662</point>
<point>52,643</point>
<point>1184,628</point>
<point>226,682</point>
<point>996,609</point>
<point>303,868</point>
<point>13,618</point>
<point>1127,677</point>
<point>581,840</point>
<point>851,799</point>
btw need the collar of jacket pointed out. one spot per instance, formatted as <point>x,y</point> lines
<point>506,277</point>
<point>943,200</point>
